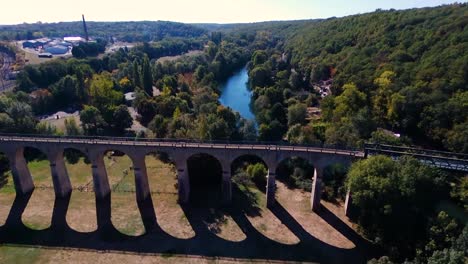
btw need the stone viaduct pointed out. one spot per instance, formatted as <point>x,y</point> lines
<point>179,152</point>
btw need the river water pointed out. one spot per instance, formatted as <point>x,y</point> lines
<point>236,95</point>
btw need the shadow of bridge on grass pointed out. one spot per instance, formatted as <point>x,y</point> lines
<point>205,243</point>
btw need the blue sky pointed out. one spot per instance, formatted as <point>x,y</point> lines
<point>213,11</point>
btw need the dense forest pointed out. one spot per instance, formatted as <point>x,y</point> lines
<point>124,31</point>
<point>409,69</point>
<point>397,77</point>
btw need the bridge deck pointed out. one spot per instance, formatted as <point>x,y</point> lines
<point>440,159</point>
<point>178,144</point>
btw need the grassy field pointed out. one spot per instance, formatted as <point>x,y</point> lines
<point>171,217</point>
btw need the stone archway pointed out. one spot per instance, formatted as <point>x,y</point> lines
<point>205,178</point>
<point>38,212</point>
<point>125,214</point>
<point>81,213</point>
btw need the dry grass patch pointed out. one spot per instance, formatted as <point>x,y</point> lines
<point>297,203</point>
<point>38,212</point>
<point>81,214</point>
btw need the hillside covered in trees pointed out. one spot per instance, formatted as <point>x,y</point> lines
<point>406,71</point>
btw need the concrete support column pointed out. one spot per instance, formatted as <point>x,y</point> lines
<point>183,182</point>
<point>271,188</point>
<point>348,206</point>
<point>227,187</point>
<point>102,191</point>
<point>316,189</point>
<point>19,169</point>
<point>100,181</point>
<point>141,178</point>
<point>62,184</point>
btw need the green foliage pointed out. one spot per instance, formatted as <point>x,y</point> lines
<point>146,77</point>
<point>46,129</point>
<point>91,120</point>
<point>89,49</point>
<point>66,92</point>
<point>460,192</point>
<point>102,93</point>
<point>121,119</point>
<point>296,173</point>
<point>297,114</point>
<point>410,64</point>
<point>126,31</point>
<point>257,172</point>
<point>381,136</point>
<point>333,180</point>
<point>456,252</point>
<point>159,126</point>
<point>259,77</point>
<point>71,128</point>
<point>395,199</point>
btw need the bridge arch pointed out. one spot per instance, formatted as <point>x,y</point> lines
<point>38,168</point>
<point>295,172</point>
<point>5,183</point>
<point>240,164</point>
<point>163,185</point>
<point>79,169</point>
<point>119,166</point>
<point>205,174</point>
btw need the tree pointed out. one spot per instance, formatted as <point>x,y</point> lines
<point>159,126</point>
<point>272,132</point>
<point>71,128</point>
<point>78,52</point>
<point>6,123</point>
<point>248,130</point>
<point>126,84</point>
<point>295,80</point>
<point>146,78</point>
<point>121,119</point>
<point>395,199</point>
<point>259,76</point>
<point>136,75</point>
<point>91,120</point>
<point>382,101</point>
<point>297,114</point>
<point>349,102</point>
<point>259,57</point>
<point>257,172</point>
<point>65,92</point>
<point>102,94</point>
<point>23,117</point>
<point>457,138</point>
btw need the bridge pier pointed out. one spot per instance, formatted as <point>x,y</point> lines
<point>143,192</point>
<point>316,189</point>
<point>227,187</point>
<point>141,178</point>
<point>183,182</point>
<point>102,190</point>
<point>348,206</point>
<point>60,179</point>
<point>100,180</point>
<point>271,188</point>
<point>19,169</point>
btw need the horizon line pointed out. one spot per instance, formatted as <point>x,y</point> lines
<point>233,23</point>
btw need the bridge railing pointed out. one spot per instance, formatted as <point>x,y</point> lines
<point>414,151</point>
<point>37,137</point>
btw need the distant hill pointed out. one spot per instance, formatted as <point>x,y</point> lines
<point>126,31</point>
